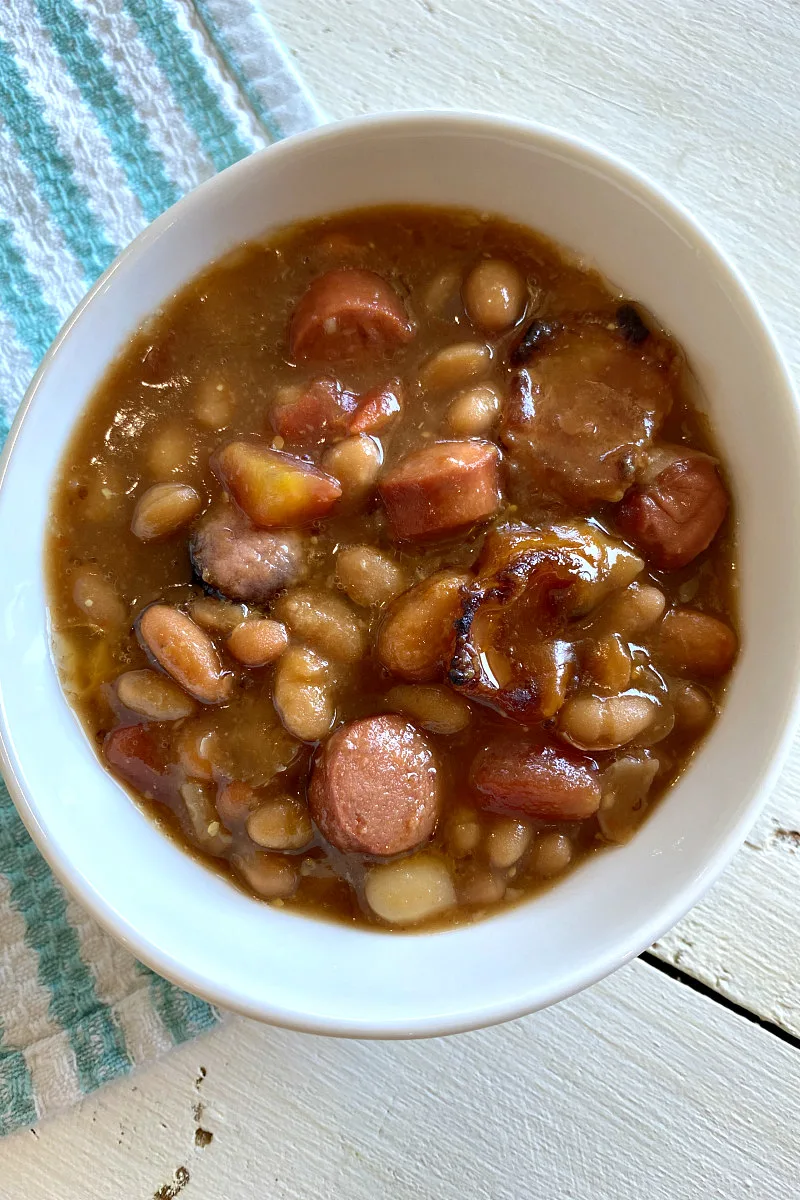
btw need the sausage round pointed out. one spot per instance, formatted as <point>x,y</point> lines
<point>236,560</point>
<point>313,414</point>
<point>676,517</point>
<point>345,313</point>
<point>375,787</point>
<point>536,779</point>
<point>441,488</point>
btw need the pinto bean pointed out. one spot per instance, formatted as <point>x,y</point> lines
<point>272,488</point>
<point>164,509</point>
<point>676,516</point>
<point>689,642</point>
<point>99,600</point>
<point>216,616</point>
<point>185,652</point>
<point>325,621</point>
<point>442,488</point>
<point>302,694</point>
<point>235,802</point>
<point>536,779</point>
<point>436,709</point>
<point>270,876</point>
<point>282,823</point>
<point>153,696</point>
<point>347,313</point>
<point>418,632</point>
<point>257,642</point>
<point>368,576</point>
<point>593,722</point>
<point>356,463</point>
<point>634,610</point>
<point>455,366</point>
<point>694,708</point>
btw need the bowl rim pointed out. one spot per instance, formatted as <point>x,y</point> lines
<point>686,895</point>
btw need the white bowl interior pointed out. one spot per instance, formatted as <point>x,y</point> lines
<point>191,925</point>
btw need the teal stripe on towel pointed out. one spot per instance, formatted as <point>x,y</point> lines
<point>17,1106</point>
<point>36,322</point>
<point>228,55</point>
<point>24,115</point>
<point>183,1014</point>
<point>172,50</point>
<point>82,55</point>
<point>96,1039</point>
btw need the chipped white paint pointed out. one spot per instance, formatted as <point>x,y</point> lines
<point>640,1087</point>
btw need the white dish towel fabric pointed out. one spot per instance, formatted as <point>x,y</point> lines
<point>109,111</point>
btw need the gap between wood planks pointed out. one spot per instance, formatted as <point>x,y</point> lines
<point>704,990</point>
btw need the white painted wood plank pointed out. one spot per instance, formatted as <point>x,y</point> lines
<point>703,97</point>
<point>638,1088</point>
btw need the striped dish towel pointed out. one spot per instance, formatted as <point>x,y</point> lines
<point>109,111</point>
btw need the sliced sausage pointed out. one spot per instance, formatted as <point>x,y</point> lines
<point>346,313</point>
<point>578,419</point>
<point>137,756</point>
<point>536,779</point>
<point>314,413</point>
<point>676,516</point>
<point>377,408</point>
<point>240,562</point>
<point>442,488</point>
<point>375,787</point>
<point>275,490</point>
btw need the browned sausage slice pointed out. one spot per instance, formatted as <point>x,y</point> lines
<point>377,408</point>
<point>135,754</point>
<point>243,563</point>
<point>578,420</point>
<point>536,779</point>
<point>375,787</point>
<point>441,488</point>
<point>315,413</point>
<point>676,516</point>
<point>345,313</point>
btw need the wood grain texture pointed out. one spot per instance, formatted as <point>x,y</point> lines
<point>639,1088</point>
<point>703,97</point>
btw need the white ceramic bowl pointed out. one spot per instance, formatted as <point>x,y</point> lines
<point>189,924</point>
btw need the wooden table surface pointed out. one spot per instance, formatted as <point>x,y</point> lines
<point>678,1077</point>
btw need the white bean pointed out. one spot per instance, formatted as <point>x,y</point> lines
<point>435,708</point>
<point>473,412</point>
<point>507,842</point>
<point>410,890</point>
<point>494,295</point>
<point>551,854</point>
<point>368,576</point>
<point>302,694</point>
<point>257,642</point>
<point>606,722</point>
<point>164,509</point>
<point>280,824</point>
<point>270,876</point>
<point>356,463</point>
<point>455,366</point>
<point>325,620</point>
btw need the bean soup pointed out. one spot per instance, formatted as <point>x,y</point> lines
<point>391,567</point>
